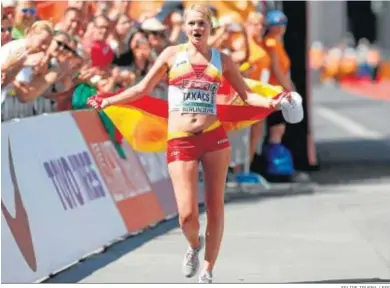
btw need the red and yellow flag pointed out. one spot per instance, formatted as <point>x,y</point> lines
<point>144,122</point>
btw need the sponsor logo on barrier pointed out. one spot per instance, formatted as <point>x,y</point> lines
<point>19,225</point>
<point>74,179</point>
<point>126,180</point>
<point>54,199</point>
<point>155,165</point>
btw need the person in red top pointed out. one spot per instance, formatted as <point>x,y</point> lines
<point>100,51</point>
<point>101,54</point>
<point>194,132</point>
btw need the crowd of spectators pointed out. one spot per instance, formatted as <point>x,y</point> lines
<point>44,63</point>
<point>350,59</point>
<point>55,55</point>
<point>48,58</point>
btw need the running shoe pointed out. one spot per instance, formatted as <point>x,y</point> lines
<point>191,259</point>
<point>205,277</point>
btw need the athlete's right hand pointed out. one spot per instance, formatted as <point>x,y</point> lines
<point>97,102</point>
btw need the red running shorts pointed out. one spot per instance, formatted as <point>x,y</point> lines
<point>195,146</point>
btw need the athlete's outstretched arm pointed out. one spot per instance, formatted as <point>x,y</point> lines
<point>145,86</point>
<point>232,73</point>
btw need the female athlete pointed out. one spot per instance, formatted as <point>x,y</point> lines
<point>194,131</point>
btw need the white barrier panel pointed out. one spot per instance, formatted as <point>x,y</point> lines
<point>156,167</point>
<point>55,205</point>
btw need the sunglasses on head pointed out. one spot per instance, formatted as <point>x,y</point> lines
<point>31,11</point>
<point>157,33</point>
<point>5,29</point>
<point>65,46</point>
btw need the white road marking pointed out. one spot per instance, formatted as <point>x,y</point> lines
<point>347,124</point>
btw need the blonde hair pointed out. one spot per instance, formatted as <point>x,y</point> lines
<point>40,26</point>
<point>255,16</point>
<point>204,9</point>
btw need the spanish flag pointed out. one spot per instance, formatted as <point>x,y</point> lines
<point>144,122</point>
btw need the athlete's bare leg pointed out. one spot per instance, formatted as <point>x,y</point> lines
<point>215,166</point>
<point>184,175</point>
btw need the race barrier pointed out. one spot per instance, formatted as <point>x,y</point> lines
<point>66,193</point>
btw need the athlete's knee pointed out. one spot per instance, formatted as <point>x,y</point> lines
<point>188,216</point>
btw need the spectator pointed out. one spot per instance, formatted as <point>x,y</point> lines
<point>71,22</point>
<point>155,33</point>
<point>233,40</point>
<point>103,7</point>
<point>175,24</point>
<point>54,93</point>
<point>122,7</point>
<point>330,69</point>
<point>6,29</point>
<point>82,6</point>
<point>99,50</point>
<point>136,63</point>
<point>217,34</point>
<point>102,55</point>
<point>120,37</point>
<point>8,10</point>
<point>115,54</point>
<point>86,14</point>
<point>348,64</point>
<point>25,16</point>
<point>17,54</point>
<point>260,64</point>
<point>48,75</point>
<point>278,157</point>
<point>142,56</point>
<point>22,58</point>
<point>238,11</point>
<point>125,62</point>
<point>62,51</point>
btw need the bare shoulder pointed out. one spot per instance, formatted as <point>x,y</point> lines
<point>226,61</point>
<point>170,53</point>
<point>224,56</point>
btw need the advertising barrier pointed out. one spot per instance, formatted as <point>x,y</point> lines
<point>127,181</point>
<point>55,205</point>
<point>66,192</point>
<point>155,166</point>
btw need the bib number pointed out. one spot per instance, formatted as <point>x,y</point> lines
<point>198,101</point>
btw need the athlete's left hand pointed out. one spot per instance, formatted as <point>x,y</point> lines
<point>291,106</point>
<point>277,102</point>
